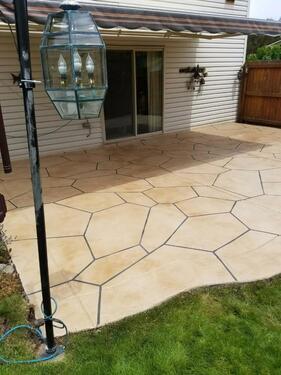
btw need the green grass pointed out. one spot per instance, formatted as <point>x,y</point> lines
<point>215,331</point>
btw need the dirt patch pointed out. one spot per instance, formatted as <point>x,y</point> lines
<point>10,284</point>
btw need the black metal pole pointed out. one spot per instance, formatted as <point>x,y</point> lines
<point>4,146</point>
<point>27,85</point>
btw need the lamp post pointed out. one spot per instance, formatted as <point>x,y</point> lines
<point>73,59</point>
<point>27,85</point>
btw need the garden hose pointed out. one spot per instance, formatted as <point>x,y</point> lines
<point>38,333</point>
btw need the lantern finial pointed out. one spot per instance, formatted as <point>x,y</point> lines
<point>70,5</point>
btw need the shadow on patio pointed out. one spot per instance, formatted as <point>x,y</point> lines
<point>144,220</point>
<point>184,159</point>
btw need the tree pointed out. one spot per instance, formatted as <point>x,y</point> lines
<point>257,41</point>
<point>266,54</point>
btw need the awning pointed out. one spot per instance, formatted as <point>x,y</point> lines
<point>109,17</point>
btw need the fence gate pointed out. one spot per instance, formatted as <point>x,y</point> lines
<point>260,97</point>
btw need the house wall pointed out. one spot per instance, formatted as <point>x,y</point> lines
<point>219,97</point>
<point>70,136</point>
<point>182,109</point>
<point>235,8</point>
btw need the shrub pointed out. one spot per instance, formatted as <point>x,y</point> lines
<point>4,242</point>
<point>266,54</point>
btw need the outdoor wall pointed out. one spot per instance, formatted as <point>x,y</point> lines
<point>69,137</point>
<point>219,98</point>
<point>236,8</point>
<point>182,108</point>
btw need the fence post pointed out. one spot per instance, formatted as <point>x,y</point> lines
<point>4,146</point>
<point>242,94</point>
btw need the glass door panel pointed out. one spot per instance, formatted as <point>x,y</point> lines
<point>149,91</point>
<point>119,103</point>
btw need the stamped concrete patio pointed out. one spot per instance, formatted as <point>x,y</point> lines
<point>132,224</point>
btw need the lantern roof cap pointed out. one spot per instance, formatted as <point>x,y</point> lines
<point>70,5</point>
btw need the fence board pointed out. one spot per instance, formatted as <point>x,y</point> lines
<point>260,95</point>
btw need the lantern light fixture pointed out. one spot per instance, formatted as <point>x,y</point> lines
<point>73,58</point>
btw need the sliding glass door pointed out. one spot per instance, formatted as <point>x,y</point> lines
<point>119,103</point>
<point>149,91</point>
<point>134,103</point>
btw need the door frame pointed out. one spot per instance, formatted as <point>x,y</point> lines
<point>134,50</point>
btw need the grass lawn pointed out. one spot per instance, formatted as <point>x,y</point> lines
<point>221,330</point>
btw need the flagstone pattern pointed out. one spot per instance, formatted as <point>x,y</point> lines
<point>134,223</point>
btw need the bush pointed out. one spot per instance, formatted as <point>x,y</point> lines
<point>266,54</point>
<point>4,242</point>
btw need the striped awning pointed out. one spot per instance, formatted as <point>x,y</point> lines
<point>109,17</point>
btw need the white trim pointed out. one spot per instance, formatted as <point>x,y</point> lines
<point>246,37</point>
<point>138,48</point>
<point>134,84</point>
<point>162,34</point>
<point>137,33</point>
<point>245,49</point>
<point>164,91</point>
<point>250,4</point>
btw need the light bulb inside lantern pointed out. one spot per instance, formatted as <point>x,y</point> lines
<point>77,62</point>
<point>90,66</point>
<point>62,66</point>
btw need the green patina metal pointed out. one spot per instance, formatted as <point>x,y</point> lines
<point>73,57</point>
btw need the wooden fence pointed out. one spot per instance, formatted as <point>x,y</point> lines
<point>260,98</point>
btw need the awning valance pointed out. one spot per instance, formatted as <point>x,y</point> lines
<point>109,17</point>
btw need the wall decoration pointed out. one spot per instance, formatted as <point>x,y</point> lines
<point>197,78</point>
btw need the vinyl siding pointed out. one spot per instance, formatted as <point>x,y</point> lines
<point>219,98</point>
<point>71,136</point>
<point>182,108</point>
<point>238,8</point>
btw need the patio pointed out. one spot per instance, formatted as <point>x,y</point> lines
<point>132,224</point>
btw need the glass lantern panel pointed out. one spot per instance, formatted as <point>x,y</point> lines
<point>83,21</point>
<point>91,94</point>
<point>93,74</point>
<point>59,23</point>
<point>66,110</point>
<point>57,40</point>
<point>90,109</point>
<point>57,68</point>
<point>86,39</point>
<point>62,95</point>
